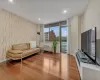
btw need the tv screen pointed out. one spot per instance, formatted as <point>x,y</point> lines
<point>88,43</point>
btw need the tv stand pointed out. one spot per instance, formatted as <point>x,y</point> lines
<point>87,68</point>
<point>83,58</point>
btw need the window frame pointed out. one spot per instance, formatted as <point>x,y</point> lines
<point>60,24</point>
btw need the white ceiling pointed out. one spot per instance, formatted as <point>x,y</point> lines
<point>48,10</point>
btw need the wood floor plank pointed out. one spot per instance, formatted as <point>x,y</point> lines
<point>43,66</point>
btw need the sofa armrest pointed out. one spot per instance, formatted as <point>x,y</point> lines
<point>15,51</point>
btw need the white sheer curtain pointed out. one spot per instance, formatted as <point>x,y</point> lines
<point>41,33</point>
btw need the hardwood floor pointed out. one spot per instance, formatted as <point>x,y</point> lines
<point>44,66</point>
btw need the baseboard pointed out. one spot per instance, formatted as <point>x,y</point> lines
<point>72,54</point>
<point>4,60</point>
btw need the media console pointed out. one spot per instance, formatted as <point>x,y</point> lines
<point>87,68</point>
<point>81,57</point>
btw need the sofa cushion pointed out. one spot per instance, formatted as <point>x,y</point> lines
<point>28,51</point>
<point>15,51</point>
<point>33,50</point>
<point>23,46</point>
<point>36,49</point>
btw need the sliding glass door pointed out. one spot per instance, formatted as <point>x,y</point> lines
<point>57,31</point>
<point>64,36</point>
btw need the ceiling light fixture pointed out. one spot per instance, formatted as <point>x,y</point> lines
<point>11,1</point>
<point>39,19</point>
<point>65,11</point>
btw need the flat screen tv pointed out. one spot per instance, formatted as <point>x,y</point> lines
<point>88,43</point>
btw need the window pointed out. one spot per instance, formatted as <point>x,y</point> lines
<point>52,31</point>
<point>46,33</point>
<point>59,31</point>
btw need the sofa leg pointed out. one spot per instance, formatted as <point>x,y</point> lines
<point>8,59</point>
<point>21,61</point>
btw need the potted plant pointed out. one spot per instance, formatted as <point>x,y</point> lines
<point>55,45</point>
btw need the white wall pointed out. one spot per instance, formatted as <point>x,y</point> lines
<point>74,34</point>
<point>91,17</point>
<point>14,30</point>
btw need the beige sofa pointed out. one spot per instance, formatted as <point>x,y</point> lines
<point>19,51</point>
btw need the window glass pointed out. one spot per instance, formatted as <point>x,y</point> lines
<point>54,33</point>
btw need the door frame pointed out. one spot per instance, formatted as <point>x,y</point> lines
<point>60,33</point>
